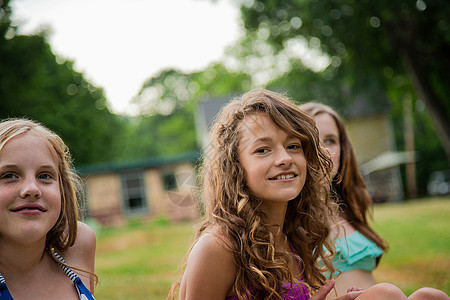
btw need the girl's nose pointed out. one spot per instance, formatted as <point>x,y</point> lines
<point>30,188</point>
<point>283,158</point>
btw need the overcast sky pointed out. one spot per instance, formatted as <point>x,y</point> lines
<point>120,44</point>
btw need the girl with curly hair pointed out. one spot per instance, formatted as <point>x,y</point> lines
<point>358,247</point>
<point>38,218</point>
<point>267,208</point>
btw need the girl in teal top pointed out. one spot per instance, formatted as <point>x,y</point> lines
<point>358,247</point>
<point>355,252</point>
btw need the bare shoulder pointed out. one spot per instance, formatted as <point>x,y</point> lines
<point>82,254</point>
<point>214,248</point>
<point>215,242</point>
<point>341,229</point>
<point>210,270</point>
<point>86,236</point>
<point>84,245</point>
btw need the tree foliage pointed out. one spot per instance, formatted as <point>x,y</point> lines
<point>35,84</point>
<point>378,51</point>
<point>168,102</point>
<point>370,43</point>
<point>338,52</point>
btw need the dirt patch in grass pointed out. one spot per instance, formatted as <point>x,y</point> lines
<point>434,273</point>
<point>126,241</point>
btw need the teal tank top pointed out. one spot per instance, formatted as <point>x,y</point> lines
<point>355,252</point>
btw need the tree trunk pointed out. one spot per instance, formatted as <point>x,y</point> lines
<point>437,110</point>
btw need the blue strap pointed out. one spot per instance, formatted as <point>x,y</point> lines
<point>4,292</point>
<point>62,263</point>
<point>83,291</point>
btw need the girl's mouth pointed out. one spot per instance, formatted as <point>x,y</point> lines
<point>283,176</point>
<point>29,209</point>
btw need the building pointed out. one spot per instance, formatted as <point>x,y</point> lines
<point>155,186</point>
<point>373,141</point>
<point>370,130</point>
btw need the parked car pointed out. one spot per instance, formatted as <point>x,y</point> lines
<point>439,183</point>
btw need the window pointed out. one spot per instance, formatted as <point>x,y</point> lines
<point>133,191</point>
<point>170,181</point>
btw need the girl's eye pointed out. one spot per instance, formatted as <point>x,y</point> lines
<point>294,146</point>
<point>329,142</point>
<point>45,176</point>
<point>262,150</point>
<point>9,176</point>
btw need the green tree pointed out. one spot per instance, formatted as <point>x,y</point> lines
<point>167,103</point>
<point>37,85</point>
<point>370,43</point>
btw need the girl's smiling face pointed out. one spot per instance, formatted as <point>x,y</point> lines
<point>274,162</point>
<point>330,139</point>
<point>30,199</point>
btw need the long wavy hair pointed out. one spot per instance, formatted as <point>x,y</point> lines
<point>350,191</point>
<point>63,234</point>
<point>232,210</point>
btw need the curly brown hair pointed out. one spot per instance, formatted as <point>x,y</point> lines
<point>350,191</point>
<point>233,210</point>
<point>64,232</point>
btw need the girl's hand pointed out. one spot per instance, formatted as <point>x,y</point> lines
<point>354,289</point>
<point>352,292</point>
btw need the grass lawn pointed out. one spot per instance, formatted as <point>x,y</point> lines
<point>143,259</point>
<point>419,236</point>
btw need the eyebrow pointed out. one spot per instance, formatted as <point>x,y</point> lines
<point>269,139</point>
<point>46,167</point>
<point>9,166</point>
<point>250,142</point>
<point>263,139</point>
<point>15,166</point>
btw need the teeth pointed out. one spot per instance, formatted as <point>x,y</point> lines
<point>288,176</point>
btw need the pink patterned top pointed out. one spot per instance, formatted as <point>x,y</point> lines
<point>294,291</point>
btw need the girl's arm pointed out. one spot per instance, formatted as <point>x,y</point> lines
<point>82,255</point>
<point>379,291</point>
<point>359,278</point>
<point>210,270</point>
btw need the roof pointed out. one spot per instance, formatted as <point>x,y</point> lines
<point>144,163</point>
<point>388,160</point>
<point>208,109</point>
<point>363,106</point>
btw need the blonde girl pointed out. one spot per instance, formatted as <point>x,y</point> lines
<point>38,218</point>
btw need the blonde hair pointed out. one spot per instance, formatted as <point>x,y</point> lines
<point>349,189</point>
<point>233,210</point>
<point>64,232</point>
